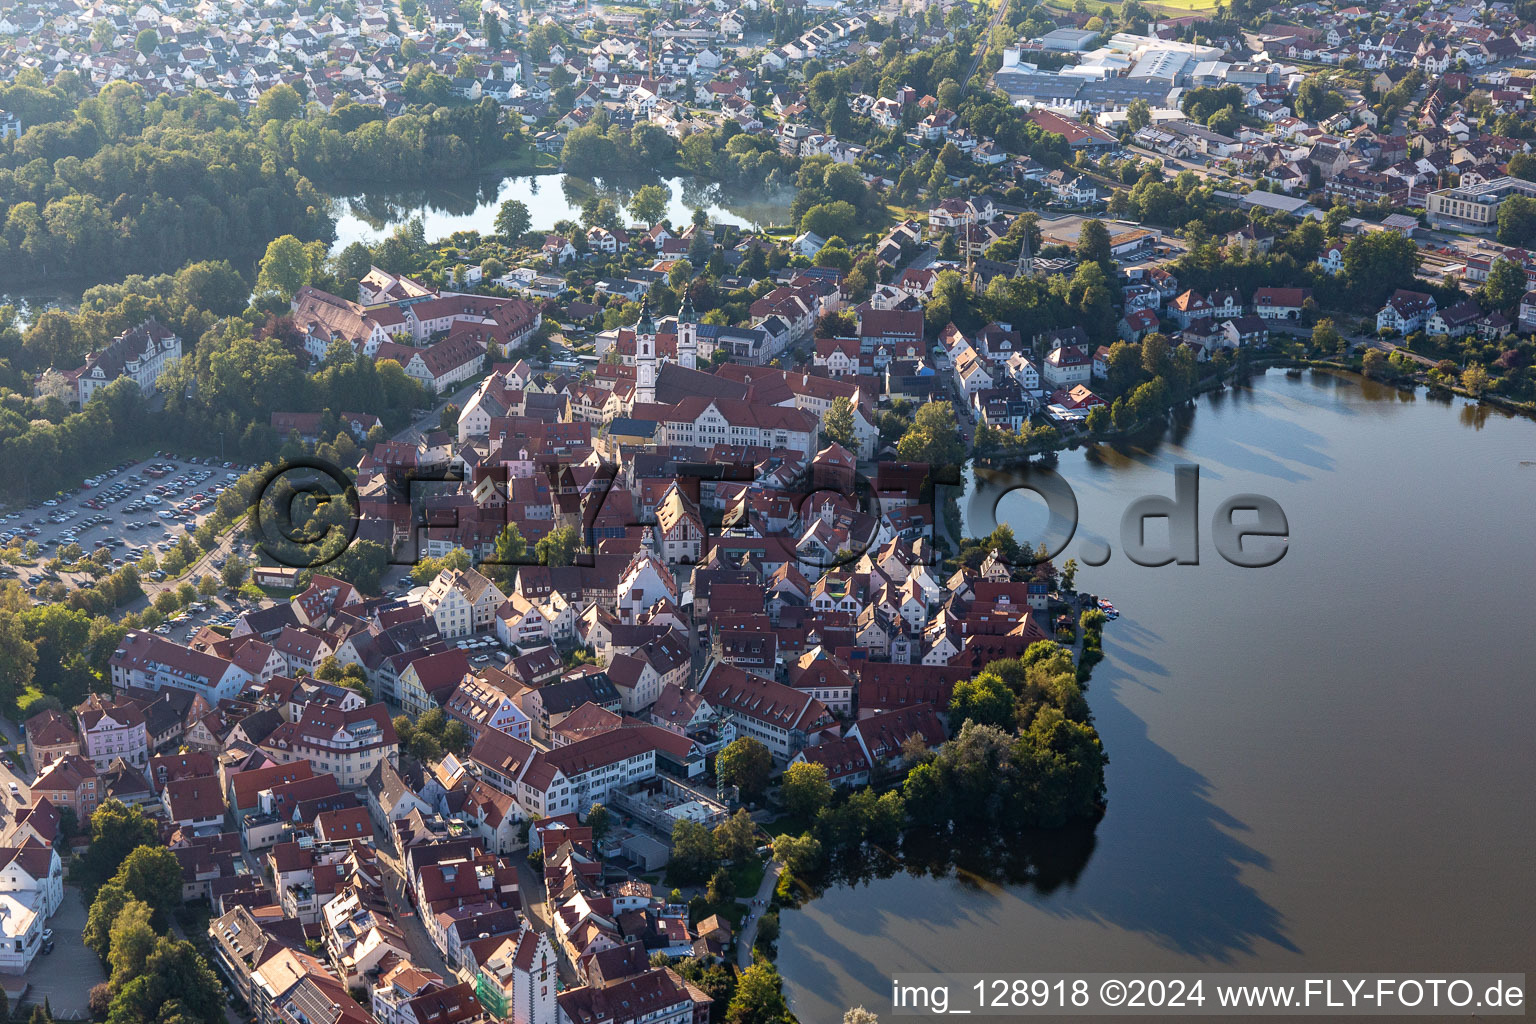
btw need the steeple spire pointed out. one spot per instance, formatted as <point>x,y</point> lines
<point>685,314</point>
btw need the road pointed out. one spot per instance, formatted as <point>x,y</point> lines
<point>432,420</point>
<point>763,899</point>
<point>423,951</point>
<point>20,775</point>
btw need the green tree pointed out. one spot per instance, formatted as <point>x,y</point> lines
<point>934,437</point>
<point>799,853</point>
<point>513,220</point>
<point>722,890</point>
<point>1093,243</point>
<point>1475,379</point>
<point>146,41</point>
<point>1504,286</point>
<point>1517,220</point>
<point>116,831</point>
<point>1315,101</point>
<point>109,903</point>
<point>1374,363</point>
<point>18,659</point>
<point>1326,337</point>
<point>132,942</point>
<point>1377,262</point>
<point>805,789</point>
<point>759,996</point>
<point>1138,115</point>
<point>985,700</point>
<point>747,764</point>
<point>152,875</point>
<point>649,204</point>
<point>282,102</point>
<point>558,547</point>
<point>285,268</point>
<point>599,821</point>
<point>693,852</point>
<point>736,836</point>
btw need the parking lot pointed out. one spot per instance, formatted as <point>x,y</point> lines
<point>131,509</point>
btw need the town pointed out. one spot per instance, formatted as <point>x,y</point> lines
<point>509,622</point>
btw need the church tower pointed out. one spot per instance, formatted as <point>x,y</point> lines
<point>687,335</point>
<point>645,356</point>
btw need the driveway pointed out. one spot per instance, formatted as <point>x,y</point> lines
<point>65,976</point>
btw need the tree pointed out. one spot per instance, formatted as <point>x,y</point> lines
<point>1154,355</point>
<point>1377,262</point>
<point>934,437</point>
<point>746,764</point>
<point>1475,379</point>
<point>799,853</point>
<point>649,204</point>
<point>721,889</point>
<point>285,268</point>
<point>513,220</point>
<point>1315,101</point>
<point>449,418</point>
<point>132,942</point>
<point>18,659</point>
<point>837,424</point>
<point>1138,115</point>
<point>1374,363</point>
<point>859,1015</point>
<point>985,700</point>
<point>736,836</point>
<point>1504,286</point>
<point>759,996</point>
<point>152,875</point>
<point>693,852</point>
<point>805,789</point>
<point>599,821</point>
<point>97,935</point>
<point>1326,336</point>
<point>146,41</point>
<point>282,102</point>
<point>116,830</point>
<point>1093,243</point>
<point>558,547</point>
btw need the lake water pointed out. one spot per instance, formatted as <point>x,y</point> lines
<point>1323,765</point>
<point>369,217</point>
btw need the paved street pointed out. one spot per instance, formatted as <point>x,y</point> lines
<point>65,976</point>
<point>422,949</point>
<point>764,896</point>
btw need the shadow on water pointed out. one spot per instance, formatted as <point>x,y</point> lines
<point>1169,867</point>
<point>1173,872</point>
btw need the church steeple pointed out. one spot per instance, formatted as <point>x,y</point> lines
<point>645,356</point>
<point>687,335</point>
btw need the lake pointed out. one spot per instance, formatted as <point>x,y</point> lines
<point>371,216</point>
<point>1322,765</point>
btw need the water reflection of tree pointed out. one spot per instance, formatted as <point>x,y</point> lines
<point>380,209</point>
<point>1043,859</point>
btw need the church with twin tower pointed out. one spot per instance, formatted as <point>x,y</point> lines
<point>645,347</point>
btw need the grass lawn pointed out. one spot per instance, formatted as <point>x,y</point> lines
<point>782,825</point>
<point>745,878</point>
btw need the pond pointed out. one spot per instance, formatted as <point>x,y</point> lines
<point>371,216</point>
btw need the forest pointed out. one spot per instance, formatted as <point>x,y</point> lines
<point>114,184</point>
